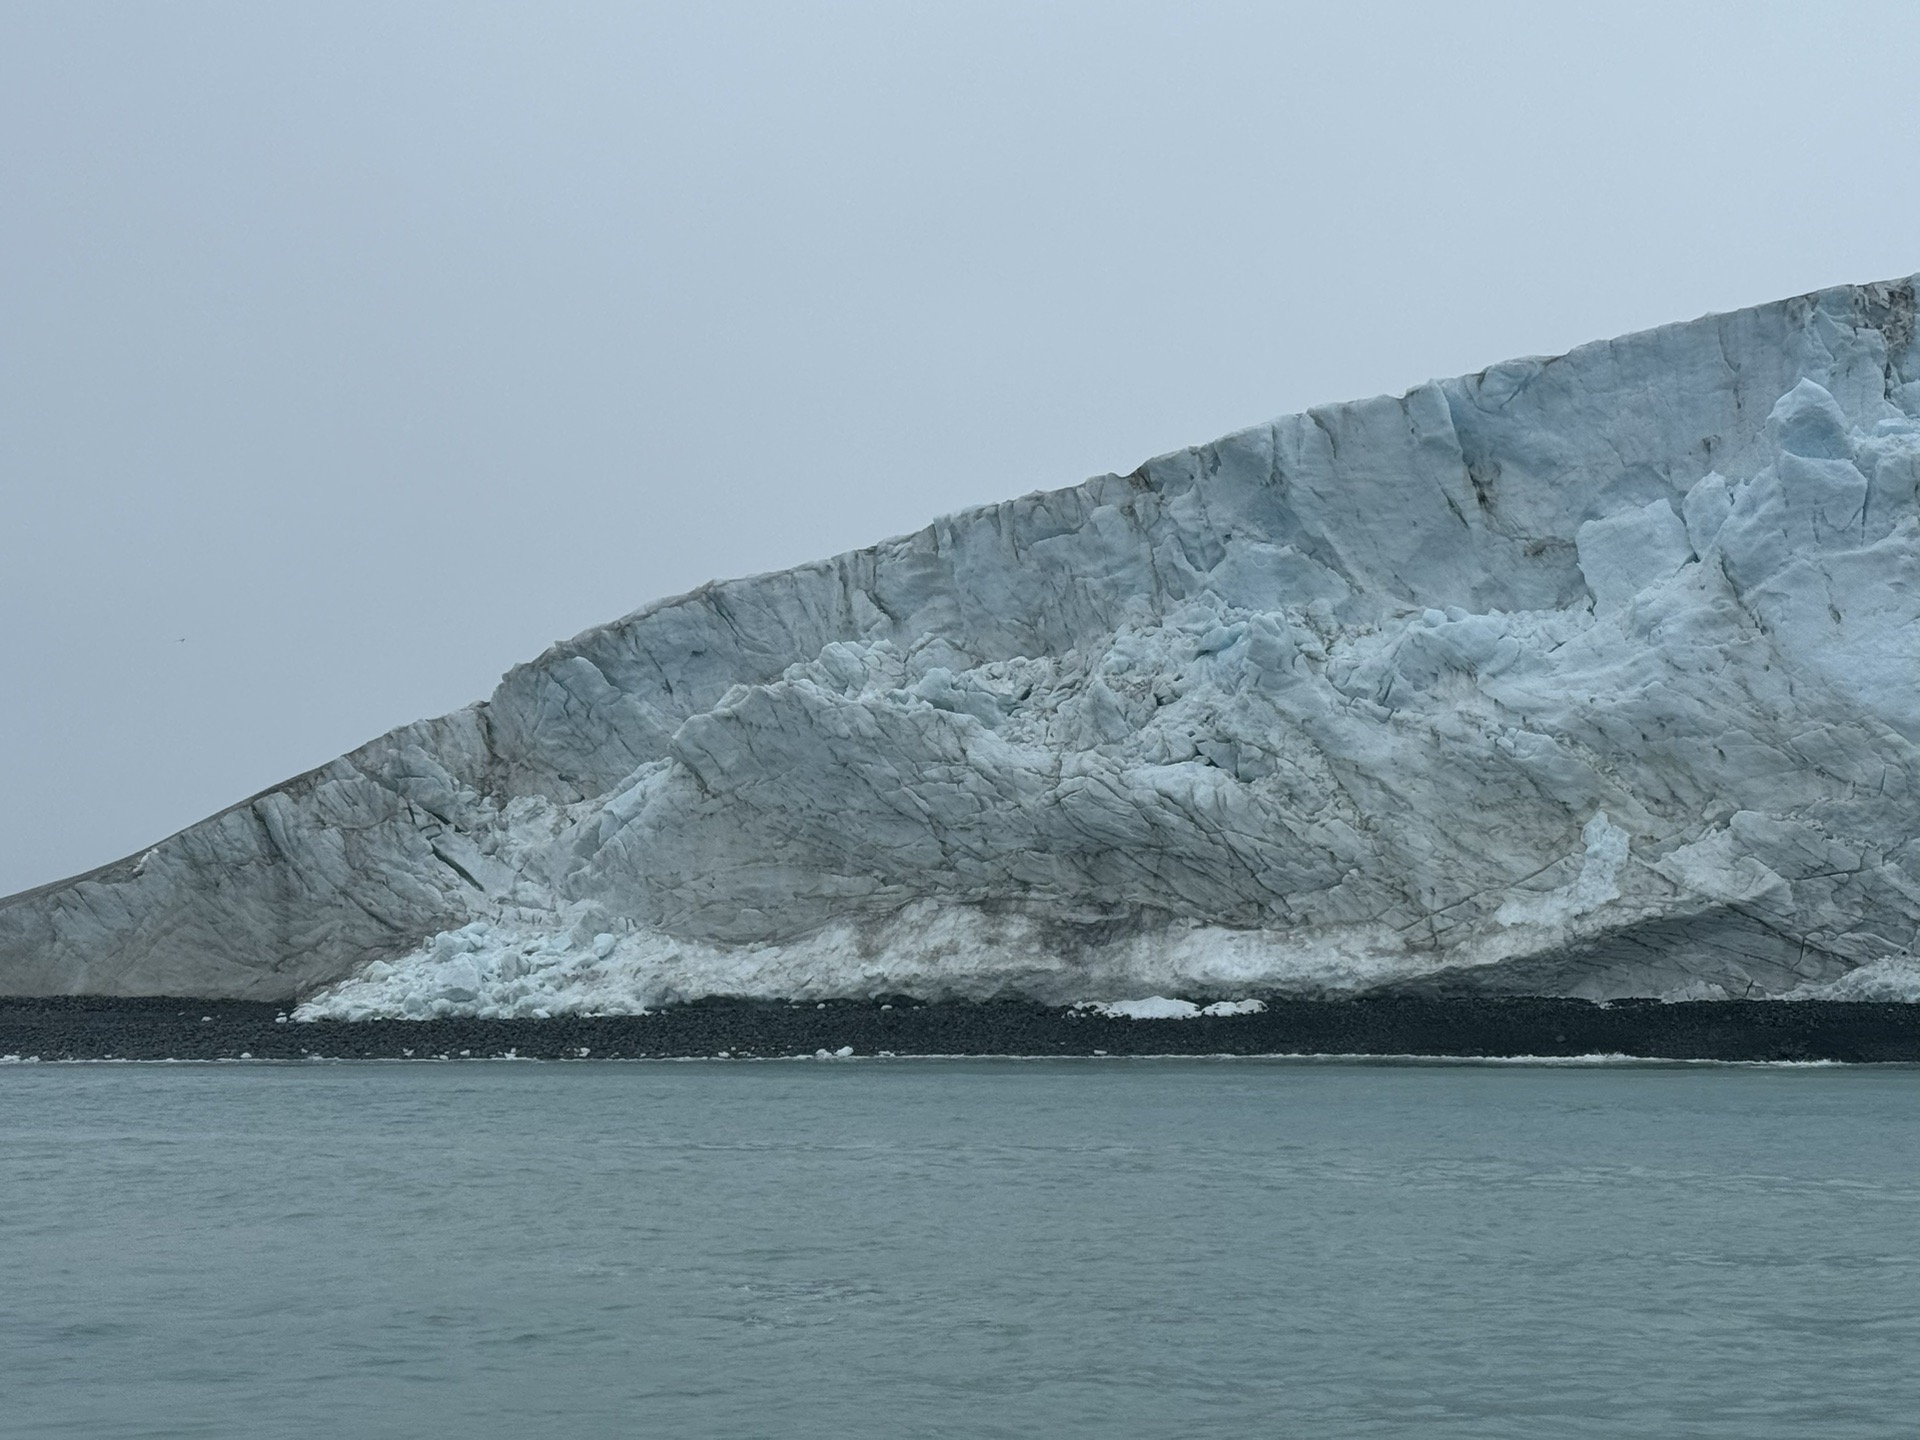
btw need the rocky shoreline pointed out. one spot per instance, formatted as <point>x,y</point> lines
<point>97,1028</point>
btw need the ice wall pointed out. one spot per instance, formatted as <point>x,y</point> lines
<point>1588,675</point>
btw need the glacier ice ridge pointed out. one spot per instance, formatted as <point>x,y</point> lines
<point>1592,675</point>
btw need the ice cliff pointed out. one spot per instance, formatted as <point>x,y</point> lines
<point>1593,675</point>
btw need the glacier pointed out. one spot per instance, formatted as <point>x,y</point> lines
<point>1592,675</point>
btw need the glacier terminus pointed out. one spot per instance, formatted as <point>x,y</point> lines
<point>1592,676</point>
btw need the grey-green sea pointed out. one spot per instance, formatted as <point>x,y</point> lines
<point>1111,1248</point>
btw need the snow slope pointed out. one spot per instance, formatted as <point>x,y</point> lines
<point>1593,675</point>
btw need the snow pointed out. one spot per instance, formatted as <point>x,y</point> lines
<point>1590,676</point>
<point>1154,1007</point>
<point>1893,978</point>
<point>1159,1007</point>
<point>502,972</point>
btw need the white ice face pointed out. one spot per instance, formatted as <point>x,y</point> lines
<point>1592,676</point>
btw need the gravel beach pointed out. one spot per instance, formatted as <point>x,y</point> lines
<point>91,1028</point>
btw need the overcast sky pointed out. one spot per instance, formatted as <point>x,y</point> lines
<point>350,354</point>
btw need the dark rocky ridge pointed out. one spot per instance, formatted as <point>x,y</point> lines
<point>86,1028</point>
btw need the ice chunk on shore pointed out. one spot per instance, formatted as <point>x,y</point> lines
<point>1159,1007</point>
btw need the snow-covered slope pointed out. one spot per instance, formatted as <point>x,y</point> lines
<point>1594,675</point>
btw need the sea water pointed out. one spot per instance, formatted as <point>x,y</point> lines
<point>967,1248</point>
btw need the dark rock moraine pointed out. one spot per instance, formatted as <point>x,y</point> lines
<point>86,1028</point>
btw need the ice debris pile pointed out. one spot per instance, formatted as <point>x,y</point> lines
<point>1160,1007</point>
<point>1593,675</point>
<point>1894,979</point>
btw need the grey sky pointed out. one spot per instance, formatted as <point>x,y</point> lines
<point>352,353</point>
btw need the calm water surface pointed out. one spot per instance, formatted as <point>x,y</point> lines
<point>1162,1248</point>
